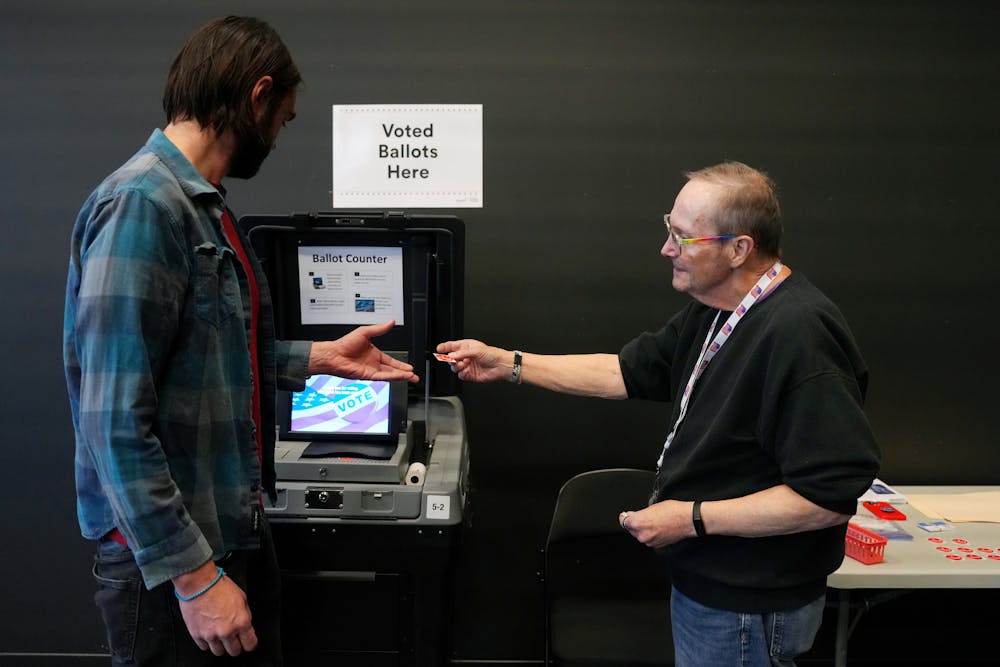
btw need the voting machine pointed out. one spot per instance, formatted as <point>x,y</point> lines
<point>372,477</point>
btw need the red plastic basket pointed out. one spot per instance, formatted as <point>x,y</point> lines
<point>864,545</point>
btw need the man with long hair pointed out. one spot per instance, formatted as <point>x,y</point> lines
<point>172,367</point>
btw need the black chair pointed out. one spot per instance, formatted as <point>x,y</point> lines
<point>607,597</point>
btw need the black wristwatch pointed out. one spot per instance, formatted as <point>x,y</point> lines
<point>699,526</point>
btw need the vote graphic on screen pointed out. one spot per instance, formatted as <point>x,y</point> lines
<point>334,405</point>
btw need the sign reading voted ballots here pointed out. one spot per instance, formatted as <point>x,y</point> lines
<point>408,156</point>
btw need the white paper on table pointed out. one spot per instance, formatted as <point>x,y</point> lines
<point>959,507</point>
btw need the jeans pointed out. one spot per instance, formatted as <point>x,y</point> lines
<point>145,627</point>
<point>707,637</point>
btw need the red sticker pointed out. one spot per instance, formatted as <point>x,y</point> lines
<point>936,540</point>
<point>959,540</point>
<point>973,556</point>
<point>966,550</point>
<point>994,557</point>
<point>953,557</point>
<point>986,550</point>
<point>944,549</point>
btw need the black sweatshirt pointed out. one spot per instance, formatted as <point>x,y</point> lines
<point>781,403</point>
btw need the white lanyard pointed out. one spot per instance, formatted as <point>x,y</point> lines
<point>708,352</point>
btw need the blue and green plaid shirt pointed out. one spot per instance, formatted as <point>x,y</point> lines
<point>158,368</point>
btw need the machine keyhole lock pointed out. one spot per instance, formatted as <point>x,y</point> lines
<point>327,499</point>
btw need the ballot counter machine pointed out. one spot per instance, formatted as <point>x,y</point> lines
<point>372,477</point>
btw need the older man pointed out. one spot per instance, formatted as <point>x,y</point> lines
<point>769,447</point>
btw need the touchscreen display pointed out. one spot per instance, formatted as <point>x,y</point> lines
<point>336,406</point>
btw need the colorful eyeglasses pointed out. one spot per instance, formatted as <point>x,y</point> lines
<point>683,242</point>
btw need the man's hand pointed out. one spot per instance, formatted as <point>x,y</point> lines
<point>219,619</point>
<point>477,362</point>
<point>660,524</point>
<point>353,356</point>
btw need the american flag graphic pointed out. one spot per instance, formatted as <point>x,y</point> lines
<point>330,404</point>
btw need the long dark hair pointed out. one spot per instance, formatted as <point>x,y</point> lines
<point>215,71</point>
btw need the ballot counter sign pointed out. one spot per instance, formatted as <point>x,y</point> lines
<point>408,156</point>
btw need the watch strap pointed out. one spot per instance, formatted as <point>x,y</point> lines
<point>699,525</point>
<point>515,372</point>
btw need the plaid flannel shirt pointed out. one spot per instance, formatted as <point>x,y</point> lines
<point>158,368</point>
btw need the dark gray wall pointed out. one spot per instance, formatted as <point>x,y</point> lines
<point>878,120</point>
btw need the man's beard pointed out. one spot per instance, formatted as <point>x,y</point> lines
<point>251,149</point>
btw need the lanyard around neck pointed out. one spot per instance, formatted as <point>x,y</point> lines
<point>708,351</point>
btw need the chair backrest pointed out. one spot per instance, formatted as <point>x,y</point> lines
<point>597,576</point>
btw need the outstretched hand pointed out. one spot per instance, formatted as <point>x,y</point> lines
<point>475,361</point>
<point>354,356</point>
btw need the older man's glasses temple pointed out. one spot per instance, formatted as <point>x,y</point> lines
<point>700,239</point>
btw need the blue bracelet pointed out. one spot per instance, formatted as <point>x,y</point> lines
<point>221,573</point>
